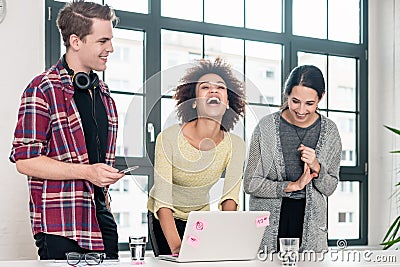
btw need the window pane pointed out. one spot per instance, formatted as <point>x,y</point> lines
<point>253,115</point>
<point>344,20</point>
<point>139,6</point>
<point>319,61</point>
<point>346,123</point>
<point>189,10</point>
<point>344,211</point>
<point>263,73</point>
<point>171,77</point>
<point>125,65</point>
<point>231,50</point>
<point>178,49</point>
<point>342,217</point>
<point>342,83</point>
<point>128,216</point>
<point>216,194</point>
<point>239,128</point>
<point>130,126</point>
<point>264,15</point>
<point>168,114</point>
<point>226,12</point>
<point>323,112</point>
<point>309,18</point>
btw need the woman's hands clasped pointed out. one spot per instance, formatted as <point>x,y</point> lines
<point>311,169</point>
<point>309,157</point>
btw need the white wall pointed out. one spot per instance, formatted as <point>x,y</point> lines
<point>22,57</point>
<point>384,97</point>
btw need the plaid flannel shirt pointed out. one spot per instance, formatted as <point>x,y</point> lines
<point>49,124</point>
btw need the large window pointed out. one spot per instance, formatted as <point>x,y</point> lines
<point>156,40</point>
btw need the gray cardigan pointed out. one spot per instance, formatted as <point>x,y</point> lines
<point>264,181</point>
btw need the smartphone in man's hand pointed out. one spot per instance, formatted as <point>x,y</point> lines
<point>128,170</point>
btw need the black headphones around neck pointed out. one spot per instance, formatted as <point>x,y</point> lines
<point>81,80</point>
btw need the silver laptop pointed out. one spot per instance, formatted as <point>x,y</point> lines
<point>221,236</point>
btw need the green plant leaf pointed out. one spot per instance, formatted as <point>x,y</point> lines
<point>390,230</point>
<point>395,194</point>
<point>392,235</point>
<point>390,243</point>
<point>396,131</point>
<point>395,231</point>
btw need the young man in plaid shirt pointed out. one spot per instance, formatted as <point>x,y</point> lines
<point>65,140</point>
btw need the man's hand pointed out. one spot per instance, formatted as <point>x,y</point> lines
<point>102,175</point>
<point>44,167</point>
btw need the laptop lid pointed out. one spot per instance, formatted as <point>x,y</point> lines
<point>222,235</point>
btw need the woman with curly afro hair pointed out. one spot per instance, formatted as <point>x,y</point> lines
<point>191,157</point>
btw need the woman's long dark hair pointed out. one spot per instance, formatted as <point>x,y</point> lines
<point>305,75</point>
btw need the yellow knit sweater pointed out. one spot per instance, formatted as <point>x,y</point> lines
<point>184,175</point>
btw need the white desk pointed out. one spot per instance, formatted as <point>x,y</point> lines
<point>339,258</point>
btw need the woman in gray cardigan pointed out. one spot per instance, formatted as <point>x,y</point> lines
<point>293,164</point>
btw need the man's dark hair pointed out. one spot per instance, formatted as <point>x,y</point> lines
<point>77,18</point>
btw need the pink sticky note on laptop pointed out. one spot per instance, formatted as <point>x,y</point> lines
<point>199,225</point>
<point>193,241</point>
<point>262,221</point>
